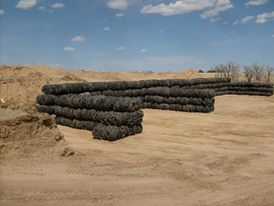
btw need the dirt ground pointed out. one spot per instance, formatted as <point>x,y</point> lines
<point>222,158</point>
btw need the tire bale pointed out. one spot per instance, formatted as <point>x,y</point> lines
<point>247,89</point>
<point>178,107</point>
<point>74,123</point>
<point>243,93</point>
<point>44,109</point>
<point>113,133</point>
<point>178,100</point>
<point>251,84</point>
<point>101,103</point>
<point>107,118</point>
<point>159,91</point>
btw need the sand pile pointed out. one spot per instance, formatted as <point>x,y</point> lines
<point>27,134</point>
<point>19,85</point>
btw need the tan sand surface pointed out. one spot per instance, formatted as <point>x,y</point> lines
<point>222,158</point>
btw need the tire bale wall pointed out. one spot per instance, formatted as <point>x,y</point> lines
<point>246,88</point>
<point>77,88</point>
<point>238,88</point>
<point>111,110</point>
<point>110,118</point>
<point>180,99</point>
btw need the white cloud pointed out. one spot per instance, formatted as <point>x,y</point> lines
<point>42,8</point>
<point>214,19</point>
<point>106,28</point>
<point>119,14</point>
<point>143,50</point>
<point>256,2</point>
<point>212,7</point>
<point>26,4</point>
<point>244,20</point>
<point>2,12</point>
<point>79,39</point>
<point>117,4</point>
<point>121,48</point>
<point>220,6</point>
<point>225,22</point>
<point>263,18</point>
<point>178,7</point>
<point>57,5</point>
<point>68,49</point>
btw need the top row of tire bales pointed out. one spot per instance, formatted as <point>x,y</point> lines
<point>77,88</point>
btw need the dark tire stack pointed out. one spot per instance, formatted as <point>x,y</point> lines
<point>112,109</point>
<point>156,94</point>
<point>238,88</point>
<point>169,98</point>
<point>78,88</point>
<point>246,88</point>
<point>109,118</point>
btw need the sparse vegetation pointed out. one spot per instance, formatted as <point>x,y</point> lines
<point>268,73</point>
<point>248,72</point>
<point>253,72</point>
<point>258,71</point>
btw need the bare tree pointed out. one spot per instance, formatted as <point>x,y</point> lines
<point>217,70</point>
<point>228,69</point>
<point>268,73</point>
<point>233,71</point>
<point>220,70</point>
<point>258,71</point>
<point>248,72</point>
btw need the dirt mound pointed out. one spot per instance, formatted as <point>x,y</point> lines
<point>27,134</point>
<point>19,85</point>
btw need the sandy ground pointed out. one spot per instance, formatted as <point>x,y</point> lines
<point>222,158</point>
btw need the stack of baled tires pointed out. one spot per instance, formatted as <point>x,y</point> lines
<point>168,98</point>
<point>169,94</point>
<point>238,88</point>
<point>112,109</point>
<point>246,88</point>
<point>109,118</point>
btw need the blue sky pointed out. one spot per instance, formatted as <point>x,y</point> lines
<point>128,35</point>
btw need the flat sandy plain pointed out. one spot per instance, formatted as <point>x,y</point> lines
<point>222,158</point>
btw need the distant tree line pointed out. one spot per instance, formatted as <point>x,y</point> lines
<point>253,72</point>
